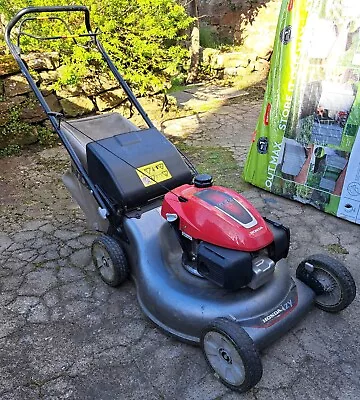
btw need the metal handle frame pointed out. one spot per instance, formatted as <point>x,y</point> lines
<point>43,38</point>
<point>54,117</point>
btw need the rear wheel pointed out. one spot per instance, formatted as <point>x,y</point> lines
<point>110,261</point>
<point>331,281</point>
<point>232,354</point>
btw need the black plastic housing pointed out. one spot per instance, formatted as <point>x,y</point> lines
<point>111,163</point>
<point>230,269</point>
<point>280,247</point>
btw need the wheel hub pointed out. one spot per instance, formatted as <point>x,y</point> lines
<point>224,354</point>
<point>331,294</point>
<point>104,262</point>
<point>224,358</point>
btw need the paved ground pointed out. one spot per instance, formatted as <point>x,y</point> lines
<point>66,335</point>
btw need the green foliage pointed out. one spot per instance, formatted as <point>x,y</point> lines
<point>15,130</point>
<point>46,136</point>
<point>336,248</point>
<point>10,150</point>
<point>16,133</point>
<point>178,82</point>
<point>143,37</point>
<point>208,37</point>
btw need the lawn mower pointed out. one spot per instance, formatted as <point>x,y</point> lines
<point>208,268</point>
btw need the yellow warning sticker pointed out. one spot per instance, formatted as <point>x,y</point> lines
<point>153,173</point>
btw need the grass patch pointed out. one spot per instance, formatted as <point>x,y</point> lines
<point>206,106</point>
<point>218,162</point>
<point>336,248</point>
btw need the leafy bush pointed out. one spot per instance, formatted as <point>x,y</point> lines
<point>143,37</point>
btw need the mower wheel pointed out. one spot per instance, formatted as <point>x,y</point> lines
<point>331,281</point>
<point>110,261</point>
<point>231,354</point>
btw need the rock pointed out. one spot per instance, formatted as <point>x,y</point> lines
<point>77,105</point>
<point>53,103</point>
<point>42,61</point>
<point>232,71</point>
<point>108,82</point>
<point>33,113</point>
<point>92,86</point>
<point>49,76</point>
<point>46,91</point>
<point>39,61</point>
<point>125,110</point>
<point>110,99</point>
<point>15,85</point>
<point>47,79</point>
<point>261,67</point>
<point>25,138</point>
<point>152,104</point>
<point>232,60</point>
<point>8,65</point>
<point>5,106</point>
<point>69,91</point>
<point>209,55</point>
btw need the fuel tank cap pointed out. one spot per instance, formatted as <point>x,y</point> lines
<point>203,181</point>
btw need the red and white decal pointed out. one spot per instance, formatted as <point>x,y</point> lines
<point>291,5</point>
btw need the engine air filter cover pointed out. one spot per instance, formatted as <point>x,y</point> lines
<point>230,269</point>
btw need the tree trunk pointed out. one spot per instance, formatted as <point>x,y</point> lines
<point>195,43</point>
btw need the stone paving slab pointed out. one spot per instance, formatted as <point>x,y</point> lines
<point>199,95</point>
<point>64,334</point>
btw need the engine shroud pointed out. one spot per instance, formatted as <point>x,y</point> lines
<point>221,234</point>
<point>219,216</point>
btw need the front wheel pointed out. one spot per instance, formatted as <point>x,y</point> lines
<point>331,281</point>
<point>109,260</point>
<point>232,354</point>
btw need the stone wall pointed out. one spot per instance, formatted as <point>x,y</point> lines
<point>251,60</point>
<point>21,116</point>
<point>231,18</point>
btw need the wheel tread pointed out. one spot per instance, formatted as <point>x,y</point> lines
<point>338,269</point>
<point>117,256</point>
<point>246,347</point>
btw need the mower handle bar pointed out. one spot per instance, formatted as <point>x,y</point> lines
<point>51,115</point>
<point>53,118</point>
<point>32,10</point>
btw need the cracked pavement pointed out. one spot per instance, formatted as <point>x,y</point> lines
<point>64,334</point>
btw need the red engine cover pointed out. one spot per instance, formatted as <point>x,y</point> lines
<point>219,216</point>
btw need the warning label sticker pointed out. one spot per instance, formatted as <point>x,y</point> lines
<point>153,173</point>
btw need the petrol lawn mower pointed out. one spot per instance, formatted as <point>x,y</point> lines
<point>208,268</point>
